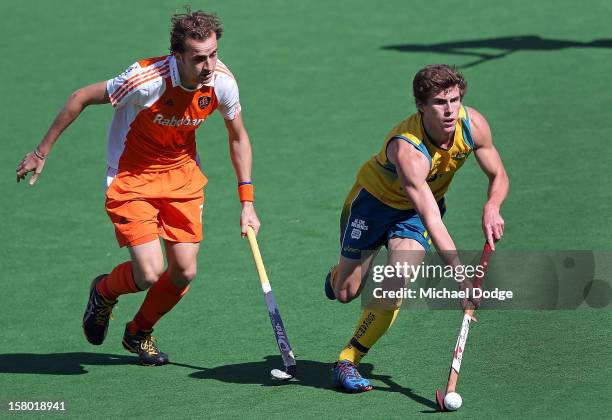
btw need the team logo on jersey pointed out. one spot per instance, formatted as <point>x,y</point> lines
<point>177,122</point>
<point>128,70</point>
<point>203,101</point>
<point>347,248</point>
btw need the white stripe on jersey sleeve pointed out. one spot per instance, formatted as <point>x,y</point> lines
<point>226,90</point>
<point>132,86</point>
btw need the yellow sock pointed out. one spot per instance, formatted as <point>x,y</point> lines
<point>370,327</point>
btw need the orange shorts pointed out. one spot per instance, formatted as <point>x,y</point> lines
<point>144,206</point>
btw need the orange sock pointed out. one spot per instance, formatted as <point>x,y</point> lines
<point>119,282</point>
<point>160,299</point>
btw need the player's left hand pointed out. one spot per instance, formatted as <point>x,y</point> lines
<point>492,224</point>
<point>248,217</point>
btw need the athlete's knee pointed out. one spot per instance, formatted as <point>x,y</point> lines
<point>347,283</point>
<point>148,273</point>
<point>149,276</point>
<point>345,291</point>
<point>184,274</point>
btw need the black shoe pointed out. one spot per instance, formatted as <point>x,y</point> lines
<point>97,314</point>
<point>145,346</point>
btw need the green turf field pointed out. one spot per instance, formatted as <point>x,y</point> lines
<point>321,84</point>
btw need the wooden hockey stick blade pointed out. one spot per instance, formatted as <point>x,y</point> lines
<point>440,400</point>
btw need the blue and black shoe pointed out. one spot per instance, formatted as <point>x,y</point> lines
<point>329,289</point>
<point>145,345</point>
<point>347,376</point>
<point>97,314</point>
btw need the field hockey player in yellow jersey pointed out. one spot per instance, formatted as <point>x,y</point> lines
<point>398,201</point>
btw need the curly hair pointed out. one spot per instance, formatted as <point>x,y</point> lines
<point>192,25</point>
<point>436,78</point>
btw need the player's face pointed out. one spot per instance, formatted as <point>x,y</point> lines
<point>198,61</point>
<point>440,113</point>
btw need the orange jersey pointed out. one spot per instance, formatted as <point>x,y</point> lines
<point>153,127</point>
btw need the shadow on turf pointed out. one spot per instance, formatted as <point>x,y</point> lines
<point>59,363</point>
<point>506,45</point>
<point>310,373</point>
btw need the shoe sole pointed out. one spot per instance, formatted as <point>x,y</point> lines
<point>353,391</point>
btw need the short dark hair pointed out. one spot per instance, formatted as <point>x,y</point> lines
<point>194,25</point>
<point>436,78</point>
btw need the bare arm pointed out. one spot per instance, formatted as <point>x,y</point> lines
<point>491,164</point>
<point>88,95</point>
<point>412,169</point>
<point>242,160</point>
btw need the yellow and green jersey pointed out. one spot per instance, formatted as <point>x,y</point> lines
<point>379,176</point>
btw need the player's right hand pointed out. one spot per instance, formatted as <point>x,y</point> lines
<point>492,224</point>
<point>248,217</point>
<point>30,163</point>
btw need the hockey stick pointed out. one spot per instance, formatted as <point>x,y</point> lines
<point>275,318</point>
<point>453,375</point>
